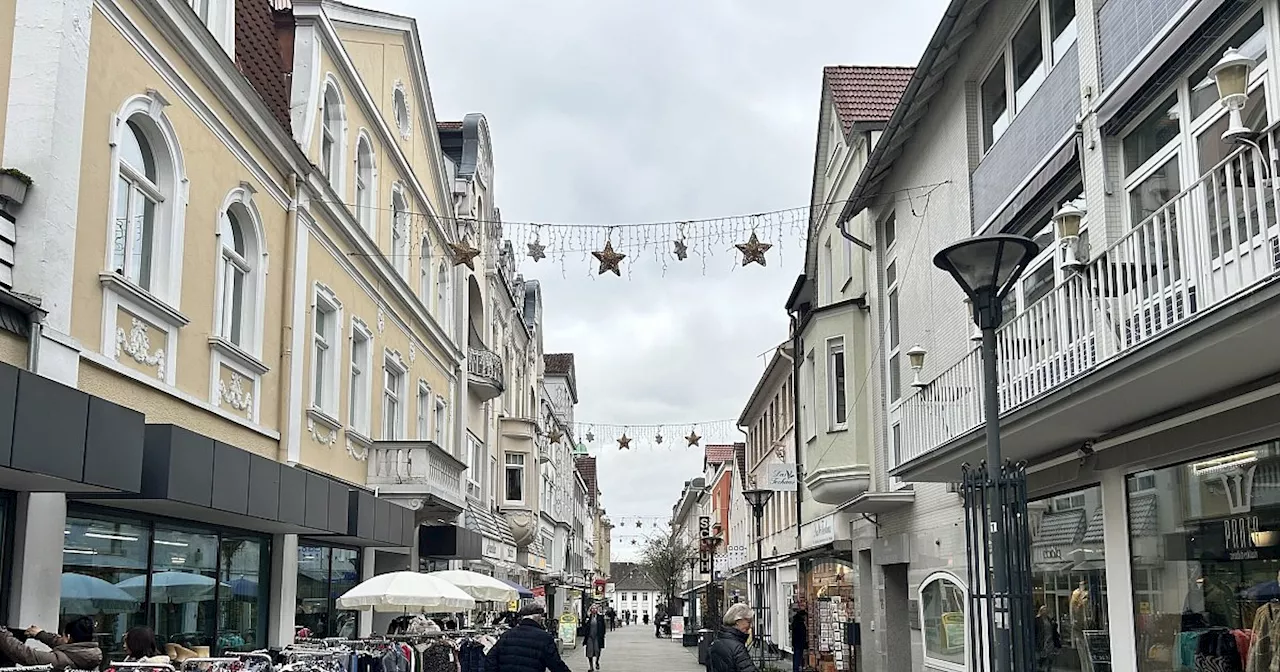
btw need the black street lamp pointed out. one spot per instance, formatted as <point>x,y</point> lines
<point>986,268</point>
<point>710,544</point>
<point>758,499</point>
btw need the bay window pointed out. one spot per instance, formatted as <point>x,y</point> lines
<point>514,482</point>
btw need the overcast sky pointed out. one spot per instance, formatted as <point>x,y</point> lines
<point>613,111</point>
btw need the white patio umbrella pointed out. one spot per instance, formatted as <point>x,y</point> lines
<point>84,594</point>
<point>479,586</point>
<point>404,591</point>
<point>172,587</point>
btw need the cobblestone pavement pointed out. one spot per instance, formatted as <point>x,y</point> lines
<point>633,648</point>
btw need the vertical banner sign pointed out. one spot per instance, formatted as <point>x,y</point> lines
<point>704,549</point>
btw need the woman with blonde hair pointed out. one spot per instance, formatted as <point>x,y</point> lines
<point>729,650</point>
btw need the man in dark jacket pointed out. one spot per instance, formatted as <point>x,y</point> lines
<point>799,638</point>
<point>728,652</point>
<point>75,650</point>
<point>528,647</point>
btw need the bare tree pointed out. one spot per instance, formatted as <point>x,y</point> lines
<point>665,558</point>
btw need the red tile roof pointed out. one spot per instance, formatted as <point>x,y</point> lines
<point>718,454</point>
<point>587,467</point>
<point>558,363</point>
<point>865,92</point>
<point>449,125</point>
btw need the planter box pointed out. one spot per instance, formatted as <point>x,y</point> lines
<point>12,189</point>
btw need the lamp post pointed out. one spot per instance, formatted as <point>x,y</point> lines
<point>986,268</point>
<point>758,499</point>
<point>1231,75</point>
<point>712,542</point>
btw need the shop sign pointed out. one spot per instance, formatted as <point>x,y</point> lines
<point>491,549</point>
<point>818,532</point>
<point>677,627</point>
<point>1046,554</point>
<point>704,555</point>
<point>781,477</point>
<point>509,553</point>
<point>1235,538</point>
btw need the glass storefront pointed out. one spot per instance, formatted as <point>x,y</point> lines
<point>197,587</point>
<point>1205,557</point>
<point>1069,584</point>
<point>826,592</point>
<point>943,604</point>
<point>324,574</point>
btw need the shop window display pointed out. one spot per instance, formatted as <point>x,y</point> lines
<point>1205,557</point>
<point>826,594</point>
<point>324,574</point>
<point>1069,583</point>
<point>196,588</point>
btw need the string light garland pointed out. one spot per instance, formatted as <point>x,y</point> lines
<point>618,247</point>
<point>653,436</point>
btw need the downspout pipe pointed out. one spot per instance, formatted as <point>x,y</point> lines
<point>285,418</point>
<point>797,343</point>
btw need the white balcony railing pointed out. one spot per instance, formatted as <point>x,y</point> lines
<point>1214,241</point>
<point>418,466</point>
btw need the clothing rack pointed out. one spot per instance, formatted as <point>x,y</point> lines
<point>27,668</point>
<point>166,667</point>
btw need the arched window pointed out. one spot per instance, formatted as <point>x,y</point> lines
<point>147,202</point>
<point>238,284</point>
<point>365,183</point>
<point>443,305</point>
<point>424,273</point>
<point>400,104</point>
<point>400,233</point>
<point>943,617</point>
<point>332,134</point>
<point>137,197</point>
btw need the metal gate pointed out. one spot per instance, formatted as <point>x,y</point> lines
<point>999,622</point>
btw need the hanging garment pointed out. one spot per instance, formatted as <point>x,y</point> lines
<point>1216,651</point>
<point>439,658</point>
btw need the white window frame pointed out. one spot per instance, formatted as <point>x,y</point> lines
<point>424,275</point>
<point>402,110</point>
<point>444,299</point>
<point>809,373</point>
<point>1070,502</point>
<point>366,184</point>
<point>219,16</point>
<point>400,229</point>
<point>508,465</point>
<point>163,291</point>
<point>334,161</point>
<point>892,328</point>
<point>1050,54</point>
<point>835,348</point>
<point>360,392</point>
<point>324,385</point>
<point>394,396</point>
<point>441,433</point>
<point>938,663</point>
<point>253,265</point>
<point>424,410</point>
<point>828,274</point>
<point>475,464</point>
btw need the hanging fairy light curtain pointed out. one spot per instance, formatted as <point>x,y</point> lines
<point>664,436</point>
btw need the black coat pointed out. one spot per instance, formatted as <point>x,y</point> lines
<point>586,630</point>
<point>729,652</point>
<point>799,633</point>
<point>528,647</point>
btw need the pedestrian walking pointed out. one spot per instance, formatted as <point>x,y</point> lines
<point>613,618</point>
<point>593,637</point>
<point>646,618</point>
<point>528,647</point>
<point>799,638</point>
<point>1048,639</point>
<point>728,652</point>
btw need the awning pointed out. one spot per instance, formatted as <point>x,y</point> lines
<point>55,438</point>
<point>449,542</point>
<point>524,592</point>
<point>190,476</point>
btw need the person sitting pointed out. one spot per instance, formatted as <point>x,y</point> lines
<point>140,646</point>
<point>74,649</point>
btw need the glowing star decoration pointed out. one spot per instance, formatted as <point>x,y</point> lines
<point>537,251</point>
<point>682,250</point>
<point>753,250</point>
<point>590,437</point>
<point>609,259</point>
<point>693,438</point>
<point>463,253</point>
<point>658,439</point>
<point>624,442</point>
<point>555,435</point>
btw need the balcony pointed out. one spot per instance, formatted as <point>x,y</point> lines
<point>421,472</point>
<point>484,373</point>
<point>1182,307</point>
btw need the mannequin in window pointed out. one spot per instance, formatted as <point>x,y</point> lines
<point>1081,619</point>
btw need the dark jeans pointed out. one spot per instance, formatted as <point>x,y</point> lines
<point>797,660</point>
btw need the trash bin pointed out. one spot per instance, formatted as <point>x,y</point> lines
<point>705,635</point>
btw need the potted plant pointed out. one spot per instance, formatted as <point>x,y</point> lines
<point>13,185</point>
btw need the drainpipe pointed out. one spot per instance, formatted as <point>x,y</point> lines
<point>796,345</point>
<point>286,419</point>
<point>36,333</point>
